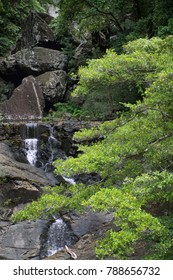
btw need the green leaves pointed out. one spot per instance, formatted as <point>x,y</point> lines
<point>109,82</point>
<point>133,153</point>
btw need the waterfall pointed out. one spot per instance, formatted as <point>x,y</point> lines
<point>31,143</point>
<point>71,181</point>
<point>56,238</point>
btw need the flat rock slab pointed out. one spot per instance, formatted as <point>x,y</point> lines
<point>26,102</point>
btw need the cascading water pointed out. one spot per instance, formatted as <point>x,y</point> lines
<point>59,236</point>
<point>31,143</point>
<point>56,238</point>
<point>69,180</point>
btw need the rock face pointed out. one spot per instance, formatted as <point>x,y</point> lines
<point>53,84</point>
<point>22,241</point>
<point>26,102</point>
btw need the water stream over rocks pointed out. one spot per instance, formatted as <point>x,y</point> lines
<point>31,143</point>
<point>59,235</point>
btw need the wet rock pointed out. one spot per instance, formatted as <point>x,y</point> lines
<point>26,102</point>
<point>22,241</point>
<point>53,84</point>
<point>84,249</point>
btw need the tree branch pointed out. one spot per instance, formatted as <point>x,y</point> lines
<point>115,20</point>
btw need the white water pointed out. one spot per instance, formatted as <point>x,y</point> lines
<point>69,180</point>
<point>56,233</point>
<point>31,147</point>
<point>31,143</point>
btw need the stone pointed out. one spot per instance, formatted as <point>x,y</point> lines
<point>14,170</point>
<point>89,222</point>
<point>31,61</point>
<point>36,31</point>
<point>6,89</point>
<point>53,84</point>
<point>87,178</point>
<point>27,102</point>
<point>22,241</point>
<point>19,191</point>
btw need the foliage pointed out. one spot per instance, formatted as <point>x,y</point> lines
<point>115,21</point>
<point>135,225</point>
<point>135,156</point>
<point>55,200</point>
<point>12,17</point>
<point>114,79</point>
<point>63,110</point>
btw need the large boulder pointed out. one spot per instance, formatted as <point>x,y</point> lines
<point>22,241</point>
<point>54,85</point>
<point>36,31</point>
<point>27,102</point>
<point>31,61</point>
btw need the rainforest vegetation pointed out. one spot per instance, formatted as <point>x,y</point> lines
<point>126,82</point>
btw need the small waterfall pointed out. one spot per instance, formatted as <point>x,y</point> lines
<point>71,181</point>
<point>56,239</point>
<point>31,143</point>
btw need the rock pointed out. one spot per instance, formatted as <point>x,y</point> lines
<point>87,178</point>
<point>6,90</point>
<point>31,61</point>
<point>13,170</point>
<point>53,84</point>
<point>89,222</point>
<point>27,102</point>
<point>36,31</point>
<point>5,150</point>
<point>19,192</point>
<point>22,241</point>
